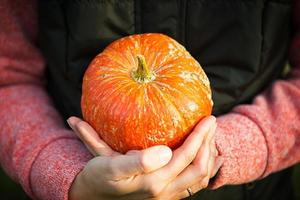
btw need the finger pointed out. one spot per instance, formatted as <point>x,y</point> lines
<point>186,153</point>
<point>215,163</point>
<point>90,137</point>
<point>138,162</point>
<point>217,166</point>
<point>194,173</point>
<point>212,159</point>
<point>72,121</point>
<point>185,193</point>
<point>201,185</point>
<point>213,155</point>
<point>192,179</point>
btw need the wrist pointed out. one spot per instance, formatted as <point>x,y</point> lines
<point>76,191</point>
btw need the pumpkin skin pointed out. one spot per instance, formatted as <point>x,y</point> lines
<point>133,113</point>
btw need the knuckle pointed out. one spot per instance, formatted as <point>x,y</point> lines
<point>205,182</point>
<point>114,187</point>
<point>153,189</point>
<point>142,163</point>
<point>111,169</point>
<point>188,157</point>
<point>201,173</point>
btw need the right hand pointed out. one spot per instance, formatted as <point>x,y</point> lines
<point>152,173</point>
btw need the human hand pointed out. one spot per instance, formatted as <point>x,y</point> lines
<point>153,173</point>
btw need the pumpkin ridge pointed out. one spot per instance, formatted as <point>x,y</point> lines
<point>122,118</point>
<point>128,119</point>
<point>113,54</point>
<point>155,106</point>
<point>170,62</point>
<point>171,103</point>
<point>162,84</point>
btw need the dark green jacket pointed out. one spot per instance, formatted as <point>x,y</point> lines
<point>241,44</point>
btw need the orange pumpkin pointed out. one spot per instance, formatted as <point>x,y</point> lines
<point>144,90</point>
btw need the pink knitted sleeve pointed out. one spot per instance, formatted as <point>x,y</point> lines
<point>263,137</point>
<point>36,149</point>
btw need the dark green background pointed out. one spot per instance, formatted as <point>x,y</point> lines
<point>10,190</point>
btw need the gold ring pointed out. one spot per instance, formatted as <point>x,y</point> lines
<point>190,191</point>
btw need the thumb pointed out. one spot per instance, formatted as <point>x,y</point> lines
<point>139,162</point>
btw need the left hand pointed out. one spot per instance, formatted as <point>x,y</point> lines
<point>195,176</point>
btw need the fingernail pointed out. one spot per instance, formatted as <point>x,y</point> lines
<point>70,123</point>
<point>211,134</point>
<point>214,127</point>
<point>213,118</point>
<point>156,157</point>
<point>161,154</point>
<point>165,154</point>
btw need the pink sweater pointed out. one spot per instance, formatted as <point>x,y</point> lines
<point>38,151</point>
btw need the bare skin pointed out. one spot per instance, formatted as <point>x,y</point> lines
<point>153,173</point>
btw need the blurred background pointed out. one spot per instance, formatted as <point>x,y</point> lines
<point>12,191</point>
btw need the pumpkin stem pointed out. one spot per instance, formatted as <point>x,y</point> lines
<point>142,74</point>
